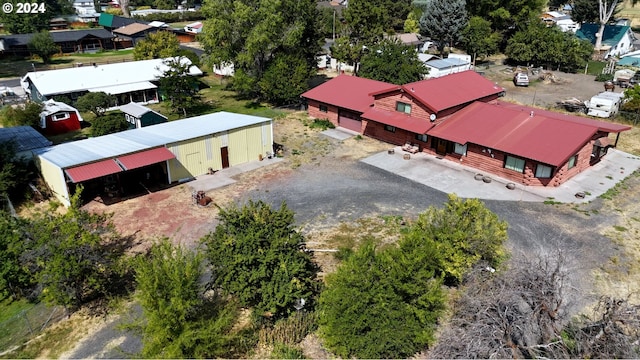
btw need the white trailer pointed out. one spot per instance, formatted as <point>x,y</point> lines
<point>605,104</point>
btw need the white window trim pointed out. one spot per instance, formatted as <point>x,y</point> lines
<point>506,163</point>
<point>460,149</point>
<point>64,116</point>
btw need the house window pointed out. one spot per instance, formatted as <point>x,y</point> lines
<point>543,171</point>
<point>513,163</point>
<point>403,107</point>
<point>460,149</point>
<point>390,128</point>
<point>572,161</point>
<point>422,137</point>
<point>60,116</point>
<point>323,108</point>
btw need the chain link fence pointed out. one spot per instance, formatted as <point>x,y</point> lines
<point>25,325</point>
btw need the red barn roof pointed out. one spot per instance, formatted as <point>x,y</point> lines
<point>543,137</point>
<point>452,90</point>
<point>347,92</point>
<point>399,120</point>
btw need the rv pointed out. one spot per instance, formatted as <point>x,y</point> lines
<point>605,104</point>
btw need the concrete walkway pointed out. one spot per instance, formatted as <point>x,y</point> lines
<point>340,133</point>
<point>450,177</point>
<point>224,177</point>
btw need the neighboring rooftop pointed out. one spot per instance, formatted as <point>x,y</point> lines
<point>611,36</point>
<point>51,107</point>
<point>100,77</point>
<point>26,138</point>
<point>133,29</point>
<point>58,36</point>
<point>137,110</point>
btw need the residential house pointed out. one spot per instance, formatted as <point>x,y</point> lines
<point>140,116</point>
<point>408,39</point>
<point>616,40</point>
<point>133,33</point>
<point>194,28</point>
<point>59,118</point>
<point>86,11</point>
<point>111,22</point>
<point>526,145</point>
<point>166,153</point>
<point>133,81</point>
<point>396,113</point>
<point>69,41</point>
<point>25,138</point>
<point>561,20</point>
<point>455,63</point>
<point>460,117</point>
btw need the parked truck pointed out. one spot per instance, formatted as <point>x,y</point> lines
<point>605,104</point>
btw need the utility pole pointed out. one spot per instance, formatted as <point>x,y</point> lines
<point>334,24</point>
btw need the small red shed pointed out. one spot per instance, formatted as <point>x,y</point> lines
<point>58,118</point>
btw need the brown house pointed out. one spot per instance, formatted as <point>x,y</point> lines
<point>460,118</point>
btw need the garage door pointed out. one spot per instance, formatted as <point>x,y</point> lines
<point>349,120</point>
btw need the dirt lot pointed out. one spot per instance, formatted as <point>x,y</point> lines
<point>544,93</point>
<point>337,199</point>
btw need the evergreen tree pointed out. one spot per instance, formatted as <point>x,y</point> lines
<point>180,88</point>
<point>444,20</point>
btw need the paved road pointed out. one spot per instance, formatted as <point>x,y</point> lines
<point>332,192</point>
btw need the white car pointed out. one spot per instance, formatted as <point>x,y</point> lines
<point>521,79</point>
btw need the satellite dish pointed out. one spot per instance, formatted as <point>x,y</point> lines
<point>432,117</point>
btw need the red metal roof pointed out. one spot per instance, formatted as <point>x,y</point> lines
<point>452,90</point>
<point>347,92</point>
<point>539,137</point>
<point>399,120</point>
<point>93,170</point>
<point>601,125</point>
<point>144,158</point>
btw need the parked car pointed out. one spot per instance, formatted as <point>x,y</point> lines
<point>521,79</point>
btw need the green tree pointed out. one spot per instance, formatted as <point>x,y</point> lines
<point>42,44</point>
<point>14,277</point>
<point>95,102</point>
<point>259,257</point>
<point>25,115</point>
<point>585,11</point>
<point>158,45</point>
<point>479,39</point>
<point>180,321</point>
<point>373,307</point>
<point>285,79</point>
<point>252,34</point>
<point>540,45</point>
<point>109,123</point>
<point>15,172</point>
<point>74,256</point>
<point>412,24</point>
<point>15,23</point>
<point>180,88</point>
<point>393,62</point>
<point>463,233</point>
<point>506,15</point>
<point>344,51</point>
<point>444,20</point>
